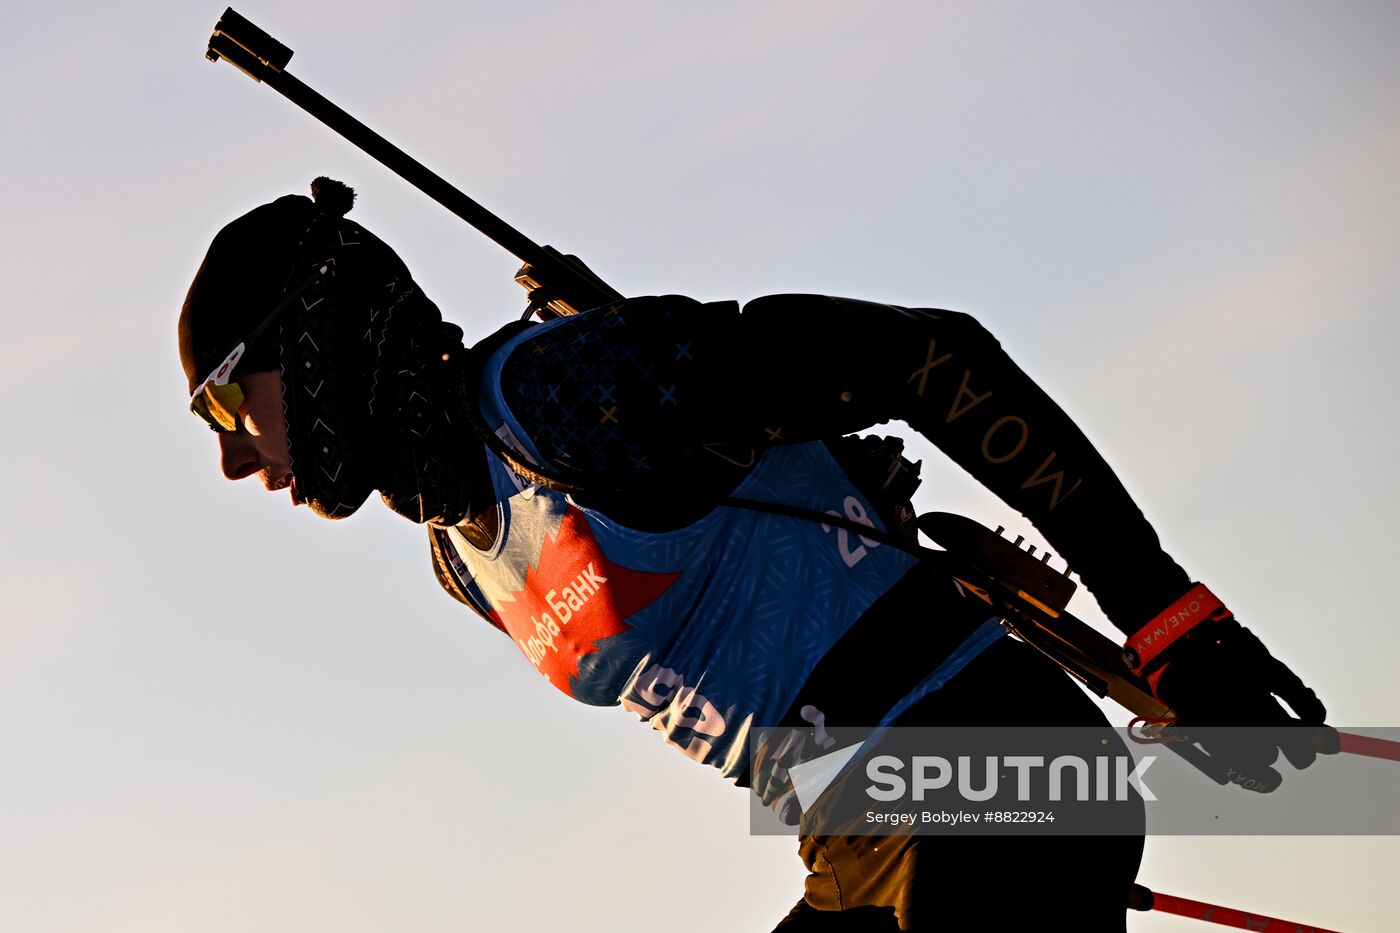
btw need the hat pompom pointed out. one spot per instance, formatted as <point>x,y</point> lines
<point>333,197</point>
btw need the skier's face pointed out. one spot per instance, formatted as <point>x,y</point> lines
<point>259,446</point>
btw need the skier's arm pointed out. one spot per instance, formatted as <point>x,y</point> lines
<point>649,385</point>
<point>949,379</point>
<point>621,393</point>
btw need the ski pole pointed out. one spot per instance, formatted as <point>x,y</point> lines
<point>558,284</point>
<point>1141,898</point>
<point>1354,744</point>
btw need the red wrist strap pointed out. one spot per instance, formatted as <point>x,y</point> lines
<point>1198,605</point>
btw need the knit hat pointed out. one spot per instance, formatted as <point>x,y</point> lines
<point>370,371</point>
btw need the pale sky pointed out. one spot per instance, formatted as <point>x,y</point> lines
<point>222,714</point>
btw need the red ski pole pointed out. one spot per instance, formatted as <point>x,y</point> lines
<point>1141,898</point>
<point>1354,744</point>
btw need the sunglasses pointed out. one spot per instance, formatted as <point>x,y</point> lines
<point>216,400</point>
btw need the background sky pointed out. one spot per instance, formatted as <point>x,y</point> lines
<point>222,714</point>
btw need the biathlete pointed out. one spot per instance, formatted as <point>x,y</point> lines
<point>578,482</point>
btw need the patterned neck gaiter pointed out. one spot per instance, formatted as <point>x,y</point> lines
<point>371,374</point>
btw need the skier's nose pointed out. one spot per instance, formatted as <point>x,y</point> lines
<point>237,457</point>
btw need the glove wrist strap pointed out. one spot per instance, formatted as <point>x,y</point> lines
<point>1147,644</point>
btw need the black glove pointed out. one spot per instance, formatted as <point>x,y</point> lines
<point>1219,674</point>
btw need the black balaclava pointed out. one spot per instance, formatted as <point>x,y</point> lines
<point>371,374</point>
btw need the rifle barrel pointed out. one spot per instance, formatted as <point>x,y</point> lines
<point>262,58</point>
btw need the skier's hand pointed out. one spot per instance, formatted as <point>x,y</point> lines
<point>1221,675</point>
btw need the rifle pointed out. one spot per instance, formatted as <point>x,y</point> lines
<point>557,284</point>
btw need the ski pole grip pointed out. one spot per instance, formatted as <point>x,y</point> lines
<point>1140,898</point>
